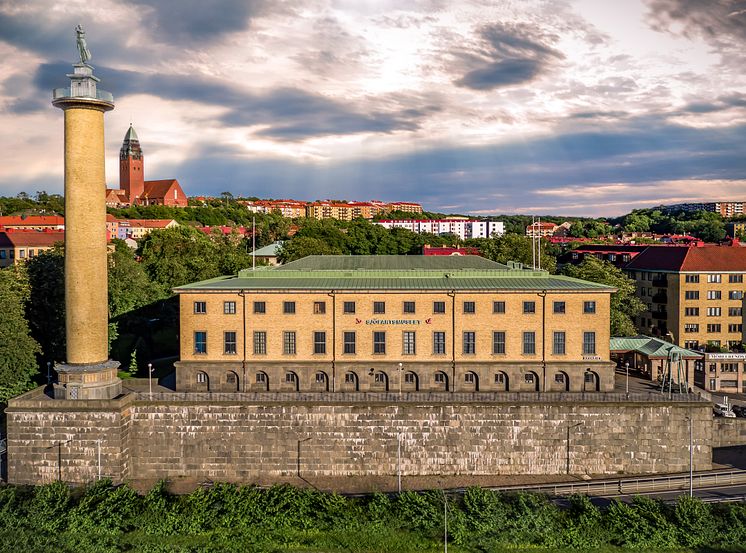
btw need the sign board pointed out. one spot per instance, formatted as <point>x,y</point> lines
<point>725,356</point>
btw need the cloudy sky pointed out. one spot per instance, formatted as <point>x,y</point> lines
<point>587,107</point>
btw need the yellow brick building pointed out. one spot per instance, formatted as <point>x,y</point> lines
<point>385,323</point>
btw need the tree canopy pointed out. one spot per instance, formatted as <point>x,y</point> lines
<point>625,306</point>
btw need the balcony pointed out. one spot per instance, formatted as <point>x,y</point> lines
<point>660,297</point>
<point>660,315</point>
<point>102,95</point>
<point>660,282</point>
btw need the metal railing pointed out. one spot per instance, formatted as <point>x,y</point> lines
<point>631,486</point>
<point>67,93</point>
<point>415,397</point>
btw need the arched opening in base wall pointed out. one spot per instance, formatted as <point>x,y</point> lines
<point>411,382</point>
<point>380,381</point>
<point>502,382</point>
<point>440,381</point>
<point>471,382</point>
<point>561,382</point>
<point>320,382</point>
<point>351,382</point>
<point>530,382</point>
<point>591,381</point>
<point>261,382</point>
<point>231,381</point>
<point>203,382</point>
<point>291,382</point>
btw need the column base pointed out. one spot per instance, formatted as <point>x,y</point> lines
<point>88,381</point>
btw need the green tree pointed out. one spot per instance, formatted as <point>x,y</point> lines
<point>513,247</point>
<point>303,246</point>
<point>129,285</point>
<point>45,309</point>
<point>625,306</point>
<point>18,350</point>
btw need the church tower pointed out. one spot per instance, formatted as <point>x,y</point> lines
<point>131,178</point>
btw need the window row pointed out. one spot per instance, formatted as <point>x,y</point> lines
<point>409,342</point>
<point>714,278</point>
<point>713,328</point>
<point>379,307</point>
<point>714,294</point>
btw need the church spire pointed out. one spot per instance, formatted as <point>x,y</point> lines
<point>130,145</point>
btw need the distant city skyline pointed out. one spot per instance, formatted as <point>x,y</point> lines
<point>571,107</point>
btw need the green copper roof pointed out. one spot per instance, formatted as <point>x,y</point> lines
<point>131,134</point>
<point>394,273</point>
<point>650,346</point>
<point>269,250</point>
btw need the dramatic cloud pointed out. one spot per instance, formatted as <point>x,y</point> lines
<point>510,54</point>
<point>581,106</point>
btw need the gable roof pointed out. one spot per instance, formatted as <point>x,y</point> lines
<point>653,348</point>
<point>31,238</point>
<point>32,220</point>
<point>690,259</point>
<point>159,188</point>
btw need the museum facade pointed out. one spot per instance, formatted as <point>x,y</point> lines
<point>394,323</point>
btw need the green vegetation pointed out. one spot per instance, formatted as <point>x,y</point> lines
<point>706,225</point>
<point>625,306</point>
<point>103,518</point>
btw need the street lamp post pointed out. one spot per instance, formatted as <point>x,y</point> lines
<point>691,459</point>
<point>398,461</point>
<point>150,380</point>
<point>98,442</point>
<point>49,373</point>
<point>401,365</point>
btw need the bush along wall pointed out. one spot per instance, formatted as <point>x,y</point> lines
<point>103,518</point>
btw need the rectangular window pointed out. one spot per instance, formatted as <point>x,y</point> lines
<point>470,307</point>
<point>589,343</point>
<point>439,343</point>
<point>735,311</point>
<point>379,342</point>
<point>439,307</point>
<point>735,278</point>
<point>349,307</point>
<point>589,307</point>
<point>260,307</point>
<point>498,307</point>
<point>260,342</point>
<point>470,343</point>
<point>379,307</point>
<point>558,344</point>
<point>529,307</point>
<point>691,344</point>
<point>229,343</point>
<point>691,327</point>
<point>288,342</point>
<point>713,311</point>
<point>691,295</point>
<point>22,254</point>
<point>288,307</point>
<point>200,341</point>
<point>3,254</point>
<point>409,343</point>
<point>529,343</point>
<point>691,278</point>
<point>559,307</point>
<point>229,307</point>
<point>691,311</point>
<point>713,328</point>
<point>409,307</point>
<point>319,307</point>
<point>498,342</point>
<point>200,307</point>
<point>349,342</point>
<point>735,327</point>
<point>319,342</point>
<point>713,278</point>
<point>735,295</point>
<point>714,295</point>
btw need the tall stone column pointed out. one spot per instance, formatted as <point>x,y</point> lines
<point>88,373</point>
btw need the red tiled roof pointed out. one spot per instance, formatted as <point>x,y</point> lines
<point>31,238</point>
<point>705,258</point>
<point>31,220</point>
<point>150,223</point>
<point>159,188</point>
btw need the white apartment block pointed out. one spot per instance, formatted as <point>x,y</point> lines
<point>463,228</point>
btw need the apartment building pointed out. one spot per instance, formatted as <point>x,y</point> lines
<point>694,294</point>
<point>20,245</point>
<point>462,227</point>
<point>723,373</point>
<point>384,323</point>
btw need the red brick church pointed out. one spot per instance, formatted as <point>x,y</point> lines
<point>133,188</point>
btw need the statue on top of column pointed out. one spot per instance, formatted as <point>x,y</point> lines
<point>85,53</point>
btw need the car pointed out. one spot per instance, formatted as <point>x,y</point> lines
<point>723,410</point>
